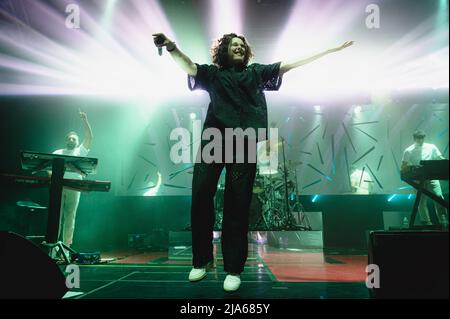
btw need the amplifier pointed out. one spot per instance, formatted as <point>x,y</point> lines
<point>412,264</point>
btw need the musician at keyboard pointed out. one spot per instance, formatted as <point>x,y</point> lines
<point>71,198</point>
<point>420,151</point>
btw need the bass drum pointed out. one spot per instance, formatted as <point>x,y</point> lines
<point>256,220</point>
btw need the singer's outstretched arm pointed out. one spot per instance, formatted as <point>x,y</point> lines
<point>179,57</point>
<point>289,66</point>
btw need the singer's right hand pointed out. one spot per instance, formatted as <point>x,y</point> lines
<point>161,40</point>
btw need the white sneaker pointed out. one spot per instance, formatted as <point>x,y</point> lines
<point>198,274</point>
<point>232,283</point>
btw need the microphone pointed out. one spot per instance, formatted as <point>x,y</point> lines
<point>159,40</point>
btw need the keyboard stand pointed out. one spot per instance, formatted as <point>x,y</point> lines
<point>52,245</point>
<point>419,186</point>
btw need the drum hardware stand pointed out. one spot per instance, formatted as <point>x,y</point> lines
<point>264,223</point>
<point>288,222</point>
<point>59,249</point>
<point>302,218</point>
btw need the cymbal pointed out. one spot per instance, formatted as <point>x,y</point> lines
<point>31,205</point>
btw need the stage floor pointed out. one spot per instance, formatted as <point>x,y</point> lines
<point>270,273</point>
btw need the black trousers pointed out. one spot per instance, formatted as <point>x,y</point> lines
<point>239,181</point>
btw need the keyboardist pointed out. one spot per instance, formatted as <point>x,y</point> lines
<point>420,151</point>
<point>71,198</point>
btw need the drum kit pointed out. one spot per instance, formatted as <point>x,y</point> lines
<point>275,199</point>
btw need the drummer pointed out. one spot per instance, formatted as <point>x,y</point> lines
<point>267,155</point>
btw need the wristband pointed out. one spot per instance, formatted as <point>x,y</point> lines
<point>173,49</point>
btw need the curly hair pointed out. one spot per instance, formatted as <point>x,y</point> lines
<point>219,50</point>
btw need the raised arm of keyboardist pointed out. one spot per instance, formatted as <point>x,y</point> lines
<point>87,131</point>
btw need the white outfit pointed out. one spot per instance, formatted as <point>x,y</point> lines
<point>267,164</point>
<point>70,198</point>
<point>362,185</point>
<point>412,156</point>
<point>416,153</point>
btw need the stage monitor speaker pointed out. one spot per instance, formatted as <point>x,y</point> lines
<point>26,271</point>
<point>412,264</point>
